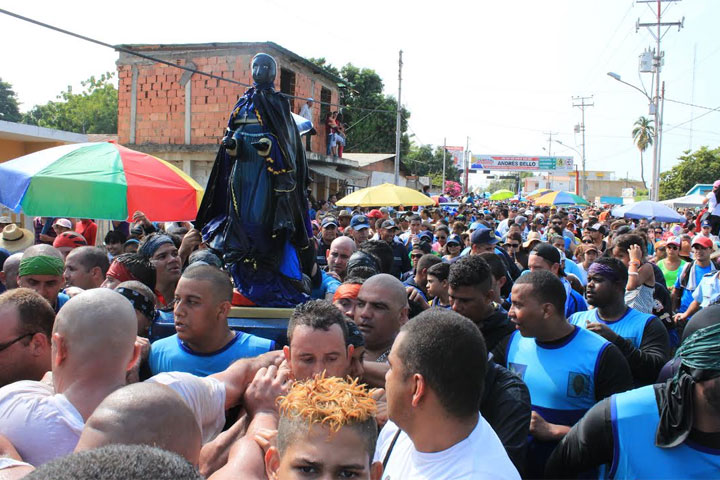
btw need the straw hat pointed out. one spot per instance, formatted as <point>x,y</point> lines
<point>532,237</point>
<point>15,239</point>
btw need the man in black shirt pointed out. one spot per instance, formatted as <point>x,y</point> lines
<point>327,235</point>
<point>471,294</point>
<point>669,430</point>
<point>567,369</point>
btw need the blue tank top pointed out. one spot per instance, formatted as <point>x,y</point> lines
<point>561,378</point>
<point>635,419</point>
<point>630,326</point>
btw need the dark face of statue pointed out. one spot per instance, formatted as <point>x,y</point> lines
<point>264,68</point>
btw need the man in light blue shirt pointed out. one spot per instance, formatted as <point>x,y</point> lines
<point>204,343</point>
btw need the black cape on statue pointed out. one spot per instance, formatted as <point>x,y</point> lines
<point>254,255</point>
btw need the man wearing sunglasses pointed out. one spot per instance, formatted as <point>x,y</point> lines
<point>26,321</point>
<point>708,290</point>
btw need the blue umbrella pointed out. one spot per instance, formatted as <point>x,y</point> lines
<point>648,209</point>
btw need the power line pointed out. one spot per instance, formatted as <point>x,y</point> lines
<point>692,119</point>
<point>170,64</point>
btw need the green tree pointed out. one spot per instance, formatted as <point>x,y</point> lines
<point>424,160</point>
<point>94,110</point>
<point>9,105</point>
<point>368,131</point>
<point>643,133</point>
<point>700,166</point>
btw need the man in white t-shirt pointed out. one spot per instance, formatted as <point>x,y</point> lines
<point>434,387</point>
<point>93,346</point>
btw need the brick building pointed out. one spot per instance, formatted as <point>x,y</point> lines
<point>181,116</point>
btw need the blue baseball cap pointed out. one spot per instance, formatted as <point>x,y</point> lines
<point>358,222</point>
<point>483,235</point>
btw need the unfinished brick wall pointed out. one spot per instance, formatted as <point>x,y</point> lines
<point>160,107</point>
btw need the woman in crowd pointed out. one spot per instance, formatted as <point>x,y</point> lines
<point>452,248</point>
<point>630,249</point>
<point>673,264</point>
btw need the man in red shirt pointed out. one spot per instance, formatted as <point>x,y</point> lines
<point>88,229</point>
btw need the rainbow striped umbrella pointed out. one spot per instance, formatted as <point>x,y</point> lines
<point>538,193</point>
<point>561,198</point>
<point>98,180</point>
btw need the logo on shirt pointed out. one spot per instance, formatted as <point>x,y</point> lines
<point>578,385</point>
<point>518,369</point>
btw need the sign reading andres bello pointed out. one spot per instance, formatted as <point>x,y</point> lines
<point>533,164</point>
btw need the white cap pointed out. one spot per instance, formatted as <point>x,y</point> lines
<point>63,222</point>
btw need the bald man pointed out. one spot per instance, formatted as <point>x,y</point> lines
<point>41,269</point>
<point>144,414</point>
<point>9,273</point>
<point>382,308</point>
<point>338,255</point>
<point>93,346</point>
<point>85,267</point>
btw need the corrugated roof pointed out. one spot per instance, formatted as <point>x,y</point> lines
<point>365,159</point>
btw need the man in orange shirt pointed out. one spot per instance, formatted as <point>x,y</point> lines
<point>88,229</point>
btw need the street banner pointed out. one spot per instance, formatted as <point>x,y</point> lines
<point>457,156</point>
<point>522,163</point>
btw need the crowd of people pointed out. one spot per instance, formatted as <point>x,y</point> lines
<point>487,340</point>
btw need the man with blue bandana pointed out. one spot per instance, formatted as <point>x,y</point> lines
<point>641,337</point>
<point>41,269</point>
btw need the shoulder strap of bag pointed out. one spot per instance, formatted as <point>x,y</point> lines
<point>392,445</point>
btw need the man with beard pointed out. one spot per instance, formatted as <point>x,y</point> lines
<point>471,295</point>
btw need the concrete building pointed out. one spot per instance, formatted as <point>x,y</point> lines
<point>181,116</point>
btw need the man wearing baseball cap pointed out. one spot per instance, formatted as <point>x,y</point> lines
<point>328,233</point>
<point>359,229</point>
<point>706,230</point>
<point>484,240</point>
<point>546,257</point>
<point>61,225</point>
<point>401,260</point>
<point>691,276</point>
<point>708,290</point>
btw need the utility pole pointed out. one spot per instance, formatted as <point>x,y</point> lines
<point>580,103</point>
<point>550,135</point>
<point>467,165</point>
<point>658,56</point>
<point>398,123</point>
<point>442,187</point>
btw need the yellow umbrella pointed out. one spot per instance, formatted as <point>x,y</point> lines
<point>538,193</point>
<point>385,195</point>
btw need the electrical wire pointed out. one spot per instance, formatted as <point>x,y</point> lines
<point>170,64</point>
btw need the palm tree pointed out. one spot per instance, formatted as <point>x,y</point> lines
<point>643,135</point>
